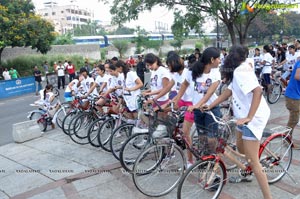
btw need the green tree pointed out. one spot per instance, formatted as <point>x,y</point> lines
<point>19,26</point>
<point>229,12</point>
<point>63,39</point>
<point>121,45</point>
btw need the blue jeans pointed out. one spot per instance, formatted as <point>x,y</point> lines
<point>205,121</point>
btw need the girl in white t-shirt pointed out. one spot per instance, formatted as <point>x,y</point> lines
<point>131,88</point>
<point>250,109</point>
<point>267,63</point>
<point>203,79</point>
<point>178,74</point>
<point>160,77</point>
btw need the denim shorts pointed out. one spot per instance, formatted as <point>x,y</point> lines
<point>205,121</point>
<point>246,132</point>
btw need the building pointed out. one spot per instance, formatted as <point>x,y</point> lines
<point>65,17</point>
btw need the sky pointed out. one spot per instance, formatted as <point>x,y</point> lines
<point>147,20</point>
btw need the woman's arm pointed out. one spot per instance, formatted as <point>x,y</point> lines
<point>139,84</point>
<point>211,90</point>
<point>165,90</point>
<point>181,91</point>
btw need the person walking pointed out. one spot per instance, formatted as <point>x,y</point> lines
<point>38,79</point>
<point>292,98</point>
<point>60,70</point>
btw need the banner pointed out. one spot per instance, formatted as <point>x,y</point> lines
<point>17,87</point>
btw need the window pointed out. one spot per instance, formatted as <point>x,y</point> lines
<point>53,13</point>
<point>46,14</point>
<point>62,11</point>
<point>68,18</point>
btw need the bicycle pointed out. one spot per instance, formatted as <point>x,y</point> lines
<point>208,175</point>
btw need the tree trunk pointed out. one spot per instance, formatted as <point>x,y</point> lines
<point>230,28</point>
<point>1,50</point>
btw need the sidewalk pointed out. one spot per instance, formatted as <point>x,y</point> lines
<point>53,167</point>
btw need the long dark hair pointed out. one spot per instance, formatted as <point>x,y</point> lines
<point>48,87</point>
<point>199,66</point>
<point>124,66</point>
<point>175,62</point>
<point>151,59</point>
<point>236,56</point>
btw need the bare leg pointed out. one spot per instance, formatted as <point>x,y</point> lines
<point>186,130</point>
<point>251,149</point>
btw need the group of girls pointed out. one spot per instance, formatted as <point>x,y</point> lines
<point>194,87</point>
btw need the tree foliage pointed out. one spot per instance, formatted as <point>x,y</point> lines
<point>197,11</point>
<point>19,26</point>
<point>121,45</point>
<point>63,39</point>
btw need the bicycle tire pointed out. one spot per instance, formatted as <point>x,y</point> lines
<point>93,132</point>
<point>119,137</point>
<point>131,149</point>
<point>105,132</point>
<point>80,125</point>
<point>158,169</point>
<point>67,120</point>
<point>61,114</point>
<point>274,95</point>
<point>281,146</point>
<point>194,183</point>
<point>40,120</point>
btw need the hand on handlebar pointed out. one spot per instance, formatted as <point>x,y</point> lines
<point>204,108</point>
<point>243,121</point>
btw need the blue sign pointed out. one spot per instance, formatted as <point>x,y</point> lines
<point>17,87</point>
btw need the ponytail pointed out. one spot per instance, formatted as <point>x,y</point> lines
<point>199,66</point>
<point>124,66</point>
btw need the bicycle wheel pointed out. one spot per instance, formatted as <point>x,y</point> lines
<point>81,124</point>
<point>61,114</point>
<point>93,131</point>
<point>275,157</point>
<point>118,138</point>
<point>105,132</point>
<point>275,93</point>
<point>67,120</point>
<point>204,179</point>
<point>158,169</point>
<point>40,120</point>
<point>131,150</point>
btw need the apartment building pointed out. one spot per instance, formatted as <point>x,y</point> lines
<point>65,17</point>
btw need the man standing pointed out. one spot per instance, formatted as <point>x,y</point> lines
<point>6,75</point>
<point>87,67</point>
<point>292,98</point>
<point>60,70</point>
<point>71,70</point>
<point>46,67</point>
<point>38,79</point>
<point>13,73</point>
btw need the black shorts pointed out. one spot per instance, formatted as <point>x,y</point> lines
<point>267,78</point>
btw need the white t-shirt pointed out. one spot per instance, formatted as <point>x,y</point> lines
<point>290,61</point>
<point>100,80</point>
<point>118,81</point>
<point>251,62</point>
<point>179,79</point>
<point>242,85</point>
<point>86,83</point>
<point>60,70</point>
<point>156,81</point>
<point>130,83</point>
<point>267,68</point>
<point>257,60</point>
<point>201,85</point>
<point>6,75</point>
<point>74,83</point>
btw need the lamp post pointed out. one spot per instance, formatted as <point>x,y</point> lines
<point>218,37</point>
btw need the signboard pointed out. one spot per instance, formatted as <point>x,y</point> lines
<point>17,87</point>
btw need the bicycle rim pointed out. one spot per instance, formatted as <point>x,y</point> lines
<point>93,132</point>
<point>131,150</point>
<point>118,138</point>
<point>158,169</point>
<point>202,181</point>
<point>276,167</point>
<point>61,114</point>
<point>275,94</point>
<point>66,122</point>
<point>105,132</point>
<point>42,123</point>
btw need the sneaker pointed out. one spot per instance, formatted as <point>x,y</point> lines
<point>298,124</point>
<point>189,164</point>
<point>244,176</point>
<point>161,131</point>
<point>215,185</point>
<point>141,144</point>
<point>139,130</point>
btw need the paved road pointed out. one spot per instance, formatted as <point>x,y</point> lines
<point>14,110</point>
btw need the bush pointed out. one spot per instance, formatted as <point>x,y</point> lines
<point>24,64</point>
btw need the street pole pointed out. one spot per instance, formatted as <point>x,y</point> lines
<point>218,44</point>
